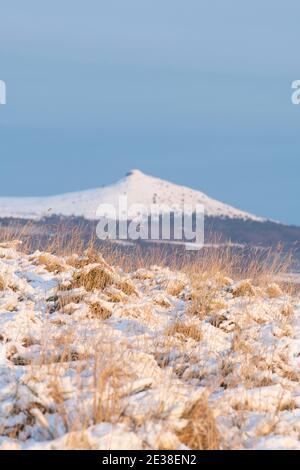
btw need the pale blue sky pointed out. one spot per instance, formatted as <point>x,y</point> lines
<point>195,91</point>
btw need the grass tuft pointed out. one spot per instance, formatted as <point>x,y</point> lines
<point>201,431</point>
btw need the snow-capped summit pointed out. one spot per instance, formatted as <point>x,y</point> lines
<point>138,187</point>
<point>135,172</point>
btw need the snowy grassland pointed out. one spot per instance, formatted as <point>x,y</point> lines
<point>92,357</point>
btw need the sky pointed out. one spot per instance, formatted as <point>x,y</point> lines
<point>197,92</point>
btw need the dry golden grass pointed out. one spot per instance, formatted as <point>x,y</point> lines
<point>143,313</point>
<point>260,265</point>
<point>116,295</point>
<point>201,431</point>
<point>239,344</point>
<point>127,287</point>
<point>52,263</point>
<point>108,377</point>
<point>204,302</point>
<point>184,330</point>
<point>218,261</point>
<point>78,441</point>
<point>175,287</point>
<point>66,298</point>
<point>14,244</point>
<point>16,231</point>
<point>287,310</point>
<point>2,283</point>
<point>97,277</point>
<point>109,409</point>
<point>98,310</point>
<point>162,301</point>
<point>244,289</point>
<point>220,265</point>
<point>273,291</point>
<point>89,256</point>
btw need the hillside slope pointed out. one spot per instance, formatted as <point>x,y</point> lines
<point>138,187</point>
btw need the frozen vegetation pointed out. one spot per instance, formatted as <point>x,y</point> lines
<point>92,357</point>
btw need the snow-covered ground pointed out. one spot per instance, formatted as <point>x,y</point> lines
<point>138,187</point>
<point>91,357</point>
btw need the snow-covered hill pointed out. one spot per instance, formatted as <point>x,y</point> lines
<point>138,187</point>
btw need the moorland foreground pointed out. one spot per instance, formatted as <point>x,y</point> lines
<point>97,354</point>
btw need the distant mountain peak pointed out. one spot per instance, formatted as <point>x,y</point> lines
<point>137,186</point>
<point>135,173</point>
